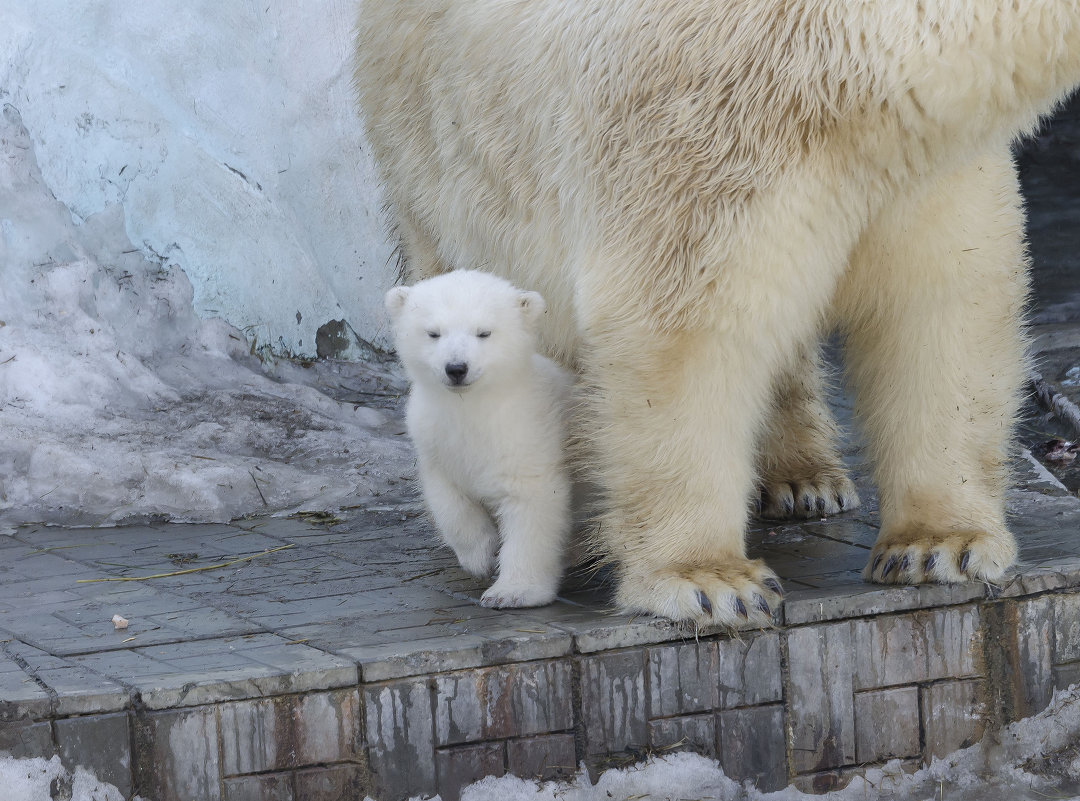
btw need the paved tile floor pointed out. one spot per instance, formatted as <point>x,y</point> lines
<point>277,604</point>
<point>270,657</point>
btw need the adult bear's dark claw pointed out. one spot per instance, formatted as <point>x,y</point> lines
<point>774,585</point>
<point>965,561</point>
<point>762,604</point>
<point>703,600</point>
<point>740,608</point>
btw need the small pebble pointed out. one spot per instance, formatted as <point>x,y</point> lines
<point>119,622</point>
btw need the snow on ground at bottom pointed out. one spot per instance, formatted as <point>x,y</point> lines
<point>118,404</point>
<point>1036,759</point>
<point>47,780</point>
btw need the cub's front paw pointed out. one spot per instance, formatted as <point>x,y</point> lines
<point>477,559</point>
<point>511,594</point>
<point>732,592</point>
<point>915,554</point>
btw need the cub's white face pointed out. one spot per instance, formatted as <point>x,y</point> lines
<point>464,329</point>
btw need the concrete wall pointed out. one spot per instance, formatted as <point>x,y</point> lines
<point>227,133</point>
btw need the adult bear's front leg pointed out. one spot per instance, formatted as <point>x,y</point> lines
<point>680,359</point>
<point>673,422</point>
<point>936,350</point>
<point>674,414</point>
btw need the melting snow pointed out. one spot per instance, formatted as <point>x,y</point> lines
<point>118,404</point>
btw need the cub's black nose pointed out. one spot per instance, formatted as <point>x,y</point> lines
<point>456,372</point>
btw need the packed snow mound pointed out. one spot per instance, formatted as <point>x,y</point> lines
<point>228,134</point>
<point>1032,760</point>
<point>47,780</point>
<point>119,404</point>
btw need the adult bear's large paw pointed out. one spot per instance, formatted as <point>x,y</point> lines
<point>824,493</point>
<point>916,554</point>
<point>731,592</point>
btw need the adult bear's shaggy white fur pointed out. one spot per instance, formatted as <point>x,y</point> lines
<point>488,415</point>
<point>697,187</point>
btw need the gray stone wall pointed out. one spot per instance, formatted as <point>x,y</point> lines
<point>811,702</point>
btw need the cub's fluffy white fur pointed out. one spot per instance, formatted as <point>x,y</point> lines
<point>699,188</point>
<point>487,415</point>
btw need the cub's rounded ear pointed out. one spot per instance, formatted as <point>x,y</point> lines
<point>532,305</point>
<point>395,299</point>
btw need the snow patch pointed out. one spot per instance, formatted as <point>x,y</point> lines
<point>46,779</point>
<point>119,404</point>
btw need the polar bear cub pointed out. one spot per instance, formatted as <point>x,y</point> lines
<point>487,415</point>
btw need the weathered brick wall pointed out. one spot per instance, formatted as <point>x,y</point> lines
<point>812,702</point>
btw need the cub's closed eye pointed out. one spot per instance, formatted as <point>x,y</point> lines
<point>433,334</point>
<point>483,334</point>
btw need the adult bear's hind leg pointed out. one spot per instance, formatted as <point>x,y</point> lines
<point>801,472</point>
<point>932,308</point>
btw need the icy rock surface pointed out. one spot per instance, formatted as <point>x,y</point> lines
<point>228,135</point>
<point>118,403</point>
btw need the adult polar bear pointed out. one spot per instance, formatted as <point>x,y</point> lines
<point>698,187</point>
